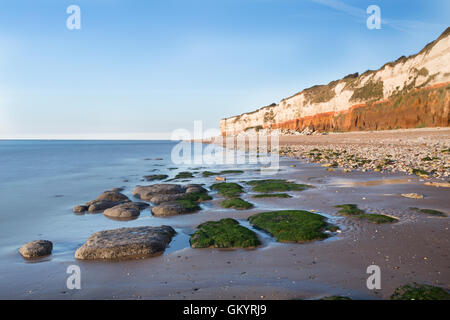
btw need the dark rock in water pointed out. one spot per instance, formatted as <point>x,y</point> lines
<point>36,249</point>
<point>80,209</point>
<point>147,192</point>
<point>125,210</point>
<point>153,177</point>
<point>101,205</point>
<point>117,189</point>
<point>161,198</point>
<point>113,196</point>
<point>169,209</point>
<point>126,243</point>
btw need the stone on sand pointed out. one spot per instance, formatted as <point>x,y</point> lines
<point>147,192</point>
<point>126,210</point>
<point>36,249</point>
<point>126,243</point>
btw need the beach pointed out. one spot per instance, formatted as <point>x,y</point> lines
<point>413,249</point>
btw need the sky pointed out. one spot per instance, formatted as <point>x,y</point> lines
<point>140,69</point>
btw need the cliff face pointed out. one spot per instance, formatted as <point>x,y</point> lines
<point>408,93</point>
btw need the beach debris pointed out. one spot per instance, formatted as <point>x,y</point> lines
<point>36,249</point>
<point>221,178</point>
<point>126,243</point>
<point>412,195</point>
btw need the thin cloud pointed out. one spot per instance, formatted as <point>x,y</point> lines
<point>401,25</point>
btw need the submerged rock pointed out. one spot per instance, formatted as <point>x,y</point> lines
<point>113,196</point>
<point>80,209</point>
<point>36,249</point>
<point>126,243</point>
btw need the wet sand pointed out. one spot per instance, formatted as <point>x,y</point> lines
<point>413,249</point>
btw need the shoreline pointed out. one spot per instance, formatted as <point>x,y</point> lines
<point>275,270</point>
<point>424,152</point>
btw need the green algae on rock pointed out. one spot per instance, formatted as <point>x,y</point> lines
<point>228,189</point>
<point>417,291</point>
<point>291,225</point>
<point>226,233</point>
<point>236,203</point>
<point>276,185</point>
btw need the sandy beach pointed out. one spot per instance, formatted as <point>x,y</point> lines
<point>414,249</point>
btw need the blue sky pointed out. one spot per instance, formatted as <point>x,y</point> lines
<point>140,69</point>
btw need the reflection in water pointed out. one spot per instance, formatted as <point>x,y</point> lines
<point>352,183</point>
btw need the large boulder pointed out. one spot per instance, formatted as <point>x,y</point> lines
<point>125,211</point>
<point>80,209</point>
<point>169,209</point>
<point>161,198</point>
<point>113,196</point>
<point>147,192</point>
<point>126,243</point>
<point>36,249</point>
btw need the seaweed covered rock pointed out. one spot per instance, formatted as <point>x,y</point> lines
<point>292,225</point>
<point>226,233</point>
<point>417,291</point>
<point>126,243</point>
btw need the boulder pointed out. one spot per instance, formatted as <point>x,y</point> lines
<point>113,196</point>
<point>80,209</point>
<point>169,209</point>
<point>147,192</point>
<point>161,198</point>
<point>101,205</point>
<point>36,249</point>
<point>127,210</point>
<point>126,243</point>
<point>190,188</point>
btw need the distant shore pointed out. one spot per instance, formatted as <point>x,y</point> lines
<point>423,152</point>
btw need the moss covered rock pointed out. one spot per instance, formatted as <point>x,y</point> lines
<point>276,185</point>
<point>417,291</point>
<point>291,225</point>
<point>236,203</point>
<point>226,233</point>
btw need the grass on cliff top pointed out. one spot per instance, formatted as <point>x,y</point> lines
<point>226,233</point>
<point>417,291</point>
<point>228,189</point>
<point>272,195</point>
<point>236,203</point>
<point>210,173</point>
<point>430,211</point>
<point>291,225</point>
<point>276,185</point>
<point>354,211</point>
